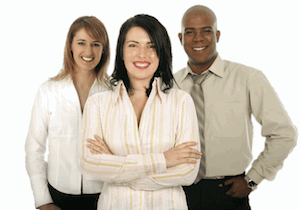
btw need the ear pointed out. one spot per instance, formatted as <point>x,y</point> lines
<point>218,34</point>
<point>180,37</point>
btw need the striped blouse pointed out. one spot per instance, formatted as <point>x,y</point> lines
<point>136,176</point>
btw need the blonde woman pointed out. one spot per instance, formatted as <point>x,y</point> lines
<point>56,120</point>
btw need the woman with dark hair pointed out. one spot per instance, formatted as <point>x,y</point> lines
<point>141,139</point>
<point>56,118</point>
<point>161,43</point>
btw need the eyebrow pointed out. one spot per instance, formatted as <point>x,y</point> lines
<point>83,40</point>
<point>131,41</point>
<point>205,27</point>
<point>138,42</point>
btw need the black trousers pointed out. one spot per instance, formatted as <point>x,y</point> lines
<point>74,202</point>
<point>207,195</point>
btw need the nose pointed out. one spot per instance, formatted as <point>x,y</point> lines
<point>142,52</point>
<point>89,50</point>
<point>198,36</point>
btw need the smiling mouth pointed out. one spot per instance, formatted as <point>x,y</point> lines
<point>141,65</point>
<point>87,59</point>
<point>199,48</point>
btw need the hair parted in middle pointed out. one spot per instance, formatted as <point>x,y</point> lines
<point>160,38</point>
<point>96,29</point>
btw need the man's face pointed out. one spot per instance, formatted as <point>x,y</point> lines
<point>199,37</point>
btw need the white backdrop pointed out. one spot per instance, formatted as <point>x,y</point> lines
<point>261,34</point>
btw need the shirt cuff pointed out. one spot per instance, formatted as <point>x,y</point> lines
<point>40,191</point>
<point>253,175</point>
<point>162,164</point>
<point>154,163</point>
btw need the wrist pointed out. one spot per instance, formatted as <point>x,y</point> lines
<point>250,183</point>
<point>255,176</point>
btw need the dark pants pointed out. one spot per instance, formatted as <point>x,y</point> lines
<point>207,195</point>
<point>74,202</point>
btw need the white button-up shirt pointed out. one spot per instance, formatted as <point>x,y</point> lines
<point>56,119</point>
<point>232,94</point>
<point>136,176</point>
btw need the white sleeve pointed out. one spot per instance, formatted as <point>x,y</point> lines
<point>35,148</point>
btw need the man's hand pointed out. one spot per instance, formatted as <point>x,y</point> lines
<point>183,153</point>
<point>238,188</point>
<point>98,146</point>
<point>49,206</point>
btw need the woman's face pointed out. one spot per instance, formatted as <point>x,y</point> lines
<point>139,55</point>
<point>87,51</point>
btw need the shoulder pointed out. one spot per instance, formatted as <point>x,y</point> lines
<point>54,86</point>
<point>239,69</point>
<point>251,76</point>
<point>179,74</point>
<point>47,87</point>
<point>103,86</point>
<point>179,96</point>
<point>99,97</point>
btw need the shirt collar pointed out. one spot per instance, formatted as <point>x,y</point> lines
<point>157,85</point>
<point>217,68</point>
<point>118,91</point>
<point>68,80</point>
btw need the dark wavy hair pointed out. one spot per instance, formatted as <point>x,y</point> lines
<point>159,36</point>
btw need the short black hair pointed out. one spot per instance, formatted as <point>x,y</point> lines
<point>159,36</point>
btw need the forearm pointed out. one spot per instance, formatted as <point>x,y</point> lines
<point>182,175</point>
<point>121,169</point>
<point>40,190</point>
<point>179,156</point>
<point>36,168</point>
<point>270,161</point>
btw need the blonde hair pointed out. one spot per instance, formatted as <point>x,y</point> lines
<point>96,29</point>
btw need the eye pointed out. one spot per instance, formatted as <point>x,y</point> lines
<point>207,31</point>
<point>188,32</point>
<point>97,44</point>
<point>81,43</point>
<point>132,45</point>
<point>151,46</point>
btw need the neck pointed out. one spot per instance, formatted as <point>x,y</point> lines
<point>199,68</point>
<point>83,78</point>
<point>139,87</point>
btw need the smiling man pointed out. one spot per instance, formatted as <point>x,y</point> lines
<point>199,38</point>
<point>226,94</point>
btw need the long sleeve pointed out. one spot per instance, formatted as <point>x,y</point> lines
<point>141,171</point>
<point>280,133</point>
<point>35,148</point>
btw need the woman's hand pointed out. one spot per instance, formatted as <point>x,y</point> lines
<point>49,206</point>
<point>98,146</point>
<point>183,153</point>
